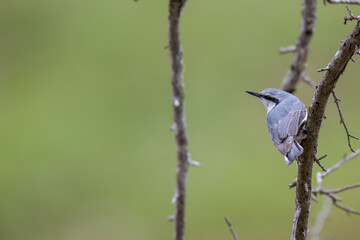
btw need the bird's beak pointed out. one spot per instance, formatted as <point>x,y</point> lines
<point>256,94</point>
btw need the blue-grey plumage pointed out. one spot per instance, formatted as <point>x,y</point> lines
<point>285,115</point>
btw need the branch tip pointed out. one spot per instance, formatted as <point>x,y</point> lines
<point>231,228</point>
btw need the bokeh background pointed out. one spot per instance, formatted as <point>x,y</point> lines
<point>85,102</point>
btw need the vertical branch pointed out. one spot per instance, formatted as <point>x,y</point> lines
<point>316,114</point>
<point>175,8</point>
<point>298,66</point>
<point>320,219</point>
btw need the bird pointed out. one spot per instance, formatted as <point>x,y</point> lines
<point>286,115</point>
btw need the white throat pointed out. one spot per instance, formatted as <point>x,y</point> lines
<point>269,105</point>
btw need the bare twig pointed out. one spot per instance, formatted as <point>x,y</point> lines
<point>317,160</point>
<point>316,114</point>
<point>351,17</point>
<point>308,80</point>
<point>231,228</point>
<point>175,8</point>
<point>330,193</point>
<point>342,1</point>
<point>341,162</point>
<point>335,201</point>
<point>320,219</point>
<point>341,189</point>
<point>298,66</point>
<point>349,135</point>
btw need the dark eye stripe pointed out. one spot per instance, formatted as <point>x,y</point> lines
<point>270,98</point>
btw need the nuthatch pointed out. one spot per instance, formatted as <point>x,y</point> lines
<point>286,114</point>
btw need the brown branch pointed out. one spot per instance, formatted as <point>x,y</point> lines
<point>298,66</point>
<point>305,163</point>
<point>231,228</point>
<point>337,100</point>
<point>342,1</point>
<point>175,8</point>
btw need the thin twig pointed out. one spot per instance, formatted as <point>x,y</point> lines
<point>320,219</point>
<point>341,162</point>
<point>349,135</point>
<point>308,80</point>
<point>301,48</point>
<point>342,1</point>
<point>231,228</point>
<point>317,160</point>
<point>341,189</point>
<point>330,193</point>
<point>175,8</point>
<point>351,17</point>
<point>335,201</point>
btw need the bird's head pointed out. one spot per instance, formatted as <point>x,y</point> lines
<point>270,97</point>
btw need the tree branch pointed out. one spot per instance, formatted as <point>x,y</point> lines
<point>320,219</point>
<point>341,162</point>
<point>330,193</point>
<point>343,1</point>
<point>298,66</point>
<point>305,163</point>
<point>337,100</point>
<point>351,17</point>
<point>231,228</point>
<point>175,8</point>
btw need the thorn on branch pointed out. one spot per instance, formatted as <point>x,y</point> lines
<point>351,17</point>
<point>293,184</point>
<point>317,160</point>
<point>357,50</point>
<point>323,69</point>
<point>289,49</point>
<point>171,218</point>
<point>192,162</point>
<point>349,135</point>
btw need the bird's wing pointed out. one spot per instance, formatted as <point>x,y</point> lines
<point>290,124</point>
<point>283,145</point>
<point>286,129</point>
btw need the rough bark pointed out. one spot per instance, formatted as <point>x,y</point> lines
<point>305,163</point>
<point>175,8</point>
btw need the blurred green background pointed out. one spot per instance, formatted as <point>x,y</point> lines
<point>85,102</point>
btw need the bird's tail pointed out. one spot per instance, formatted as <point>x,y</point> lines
<point>296,150</point>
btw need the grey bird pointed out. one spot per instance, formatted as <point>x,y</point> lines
<point>286,114</point>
